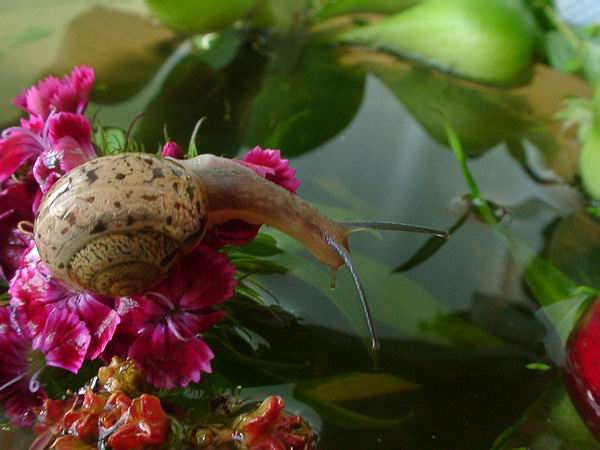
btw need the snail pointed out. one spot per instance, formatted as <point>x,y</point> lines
<point>117,224</point>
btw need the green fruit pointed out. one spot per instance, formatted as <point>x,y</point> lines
<point>486,40</point>
<point>198,16</point>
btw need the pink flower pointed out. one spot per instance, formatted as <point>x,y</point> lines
<point>171,317</point>
<point>65,143</point>
<point>15,396</point>
<point>71,93</point>
<point>16,202</point>
<point>36,294</point>
<point>172,150</point>
<point>70,145</point>
<point>63,342</point>
<point>17,146</point>
<point>268,164</point>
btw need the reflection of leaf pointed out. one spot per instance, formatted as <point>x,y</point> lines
<point>395,300</point>
<point>356,386</point>
<point>347,418</point>
<point>193,90</point>
<point>551,422</point>
<point>302,104</point>
<point>124,49</point>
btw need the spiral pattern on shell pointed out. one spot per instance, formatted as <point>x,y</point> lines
<point>117,224</point>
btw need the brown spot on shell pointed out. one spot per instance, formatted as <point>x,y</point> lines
<point>120,176</point>
<point>117,204</point>
<point>98,228</point>
<point>90,199</point>
<point>149,197</point>
<point>157,172</point>
<point>91,176</point>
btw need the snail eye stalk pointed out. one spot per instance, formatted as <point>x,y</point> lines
<point>341,251</point>
<point>363,225</point>
<point>354,226</point>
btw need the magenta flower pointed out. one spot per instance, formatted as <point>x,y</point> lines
<point>172,150</point>
<point>36,294</point>
<point>171,318</point>
<point>15,396</point>
<point>268,164</point>
<point>16,201</point>
<point>70,145</point>
<point>63,342</point>
<point>64,144</point>
<point>70,94</point>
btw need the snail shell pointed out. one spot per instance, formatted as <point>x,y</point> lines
<point>117,224</point>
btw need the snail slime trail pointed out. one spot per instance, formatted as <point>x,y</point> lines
<point>118,224</point>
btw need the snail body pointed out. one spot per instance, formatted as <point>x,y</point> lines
<point>117,224</point>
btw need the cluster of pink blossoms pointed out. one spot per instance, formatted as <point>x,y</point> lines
<point>49,324</point>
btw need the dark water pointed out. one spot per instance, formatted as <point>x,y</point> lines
<point>457,329</point>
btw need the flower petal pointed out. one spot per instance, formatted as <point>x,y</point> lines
<point>167,361</point>
<point>172,150</point>
<point>15,149</point>
<point>281,172</point>
<point>211,278</point>
<point>71,93</point>
<point>100,320</point>
<point>64,341</point>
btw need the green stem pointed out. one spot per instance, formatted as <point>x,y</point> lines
<point>564,29</point>
<point>477,200</point>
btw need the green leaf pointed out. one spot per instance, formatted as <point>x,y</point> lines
<point>331,8</point>
<point>431,247</point>
<point>320,96</point>
<point>589,163</point>
<point>482,117</point>
<point>561,54</point>
<point>57,381</point>
<point>541,367</point>
<point>252,265</point>
<point>263,245</point>
<point>485,40</point>
<point>219,49</point>
<point>573,246</point>
<point>193,90</point>
<point>191,16</point>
